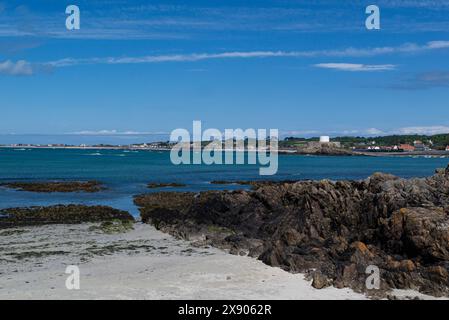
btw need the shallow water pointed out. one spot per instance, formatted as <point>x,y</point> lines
<point>126,173</point>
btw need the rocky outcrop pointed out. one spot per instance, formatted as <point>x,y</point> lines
<point>254,183</point>
<point>60,214</point>
<point>155,185</point>
<point>324,150</point>
<point>331,230</point>
<point>54,186</point>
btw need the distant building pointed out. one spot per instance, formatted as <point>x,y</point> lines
<point>324,141</point>
<point>406,147</point>
<point>419,145</point>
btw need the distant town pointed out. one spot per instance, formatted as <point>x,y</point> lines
<point>324,145</point>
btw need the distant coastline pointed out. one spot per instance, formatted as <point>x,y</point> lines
<point>109,147</point>
<point>381,146</point>
<point>332,152</point>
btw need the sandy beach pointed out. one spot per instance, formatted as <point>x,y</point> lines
<point>140,264</point>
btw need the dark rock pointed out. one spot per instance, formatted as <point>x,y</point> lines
<point>60,214</point>
<point>155,185</point>
<point>53,186</point>
<point>325,150</point>
<point>254,184</point>
<point>337,228</point>
<point>420,232</point>
<point>320,281</point>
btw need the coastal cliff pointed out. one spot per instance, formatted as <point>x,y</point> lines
<point>332,231</point>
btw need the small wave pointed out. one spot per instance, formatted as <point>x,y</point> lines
<point>94,154</point>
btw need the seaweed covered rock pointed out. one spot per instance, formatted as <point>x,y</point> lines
<point>60,214</point>
<point>337,228</point>
<point>55,186</point>
<point>155,185</point>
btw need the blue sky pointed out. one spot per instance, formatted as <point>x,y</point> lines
<point>303,67</point>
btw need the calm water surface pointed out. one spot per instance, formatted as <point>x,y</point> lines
<point>126,173</point>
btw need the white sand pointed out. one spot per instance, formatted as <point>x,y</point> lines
<point>140,264</point>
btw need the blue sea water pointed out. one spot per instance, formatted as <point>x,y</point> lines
<point>126,173</point>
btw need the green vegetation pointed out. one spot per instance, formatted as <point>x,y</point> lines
<point>438,141</point>
<point>219,229</point>
<point>11,232</point>
<point>114,226</point>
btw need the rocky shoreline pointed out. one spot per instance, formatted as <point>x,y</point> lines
<point>330,230</point>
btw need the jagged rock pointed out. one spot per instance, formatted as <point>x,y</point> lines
<point>420,232</point>
<point>320,281</point>
<point>60,214</point>
<point>337,228</point>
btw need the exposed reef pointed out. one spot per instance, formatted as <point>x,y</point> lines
<point>60,214</point>
<point>330,230</point>
<point>325,150</point>
<point>55,186</point>
<point>253,184</point>
<point>155,185</point>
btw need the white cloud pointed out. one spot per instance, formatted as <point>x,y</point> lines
<point>423,80</point>
<point>22,67</point>
<point>421,130</point>
<point>374,131</point>
<point>355,67</point>
<point>430,130</point>
<point>348,52</point>
<point>300,132</point>
<point>438,44</point>
<point>114,133</point>
<point>18,68</point>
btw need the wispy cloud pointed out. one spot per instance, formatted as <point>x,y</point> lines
<point>122,20</point>
<point>374,132</point>
<point>433,4</point>
<point>356,67</point>
<point>424,130</point>
<point>370,132</point>
<point>424,80</point>
<point>115,133</point>
<point>347,52</point>
<point>26,68</point>
<point>300,133</point>
<point>429,130</point>
<point>19,68</point>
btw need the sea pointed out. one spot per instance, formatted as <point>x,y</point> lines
<point>126,173</point>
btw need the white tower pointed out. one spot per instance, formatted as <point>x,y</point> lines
<point>325,139</point>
